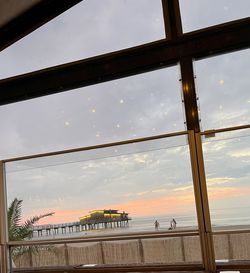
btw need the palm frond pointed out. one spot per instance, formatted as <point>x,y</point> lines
<point>18,231</point>
<point>15,212</point>
<point>27,228</point>
<point>14,218</point>
<point>35,219</point>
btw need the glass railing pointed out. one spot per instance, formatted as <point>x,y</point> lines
<point>232,247</point>
<point>119,204</point>
<point>144,249</point>
<point>227,158</point>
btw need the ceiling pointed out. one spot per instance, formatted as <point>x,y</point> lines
<point>20,17</point>
<point>12,8</point>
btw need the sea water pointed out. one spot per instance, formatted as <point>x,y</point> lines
<point>136,224</point>
<point>234,217</point>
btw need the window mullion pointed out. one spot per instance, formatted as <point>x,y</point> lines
<point>3,222</point>
<point>200,190</point>
<point>172,18</point>
<point>202,208</point>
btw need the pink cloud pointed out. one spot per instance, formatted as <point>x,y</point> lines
<point>215,193</point>
<point>158,205</point>
<point>138,207</point>
<point>62,216</point>
<point>178,202</point>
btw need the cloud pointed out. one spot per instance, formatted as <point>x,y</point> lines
<point>159,190</point>
<point>158,205</point>
<point>61,216</point>
<point>219,180</point>
<point>245,161</point>
<point>184,188</point>
<point>142,193</point>
<point>229,115</point>
<point>227,193</point>
<point>212,146</point>
<point>140,158</point>
<point>155,191</point>
<point>175,203</point>
<point>240,153</point>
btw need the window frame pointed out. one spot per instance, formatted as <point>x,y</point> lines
<point>179,47</point>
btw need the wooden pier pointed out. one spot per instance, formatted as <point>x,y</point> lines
<point>97,219</point>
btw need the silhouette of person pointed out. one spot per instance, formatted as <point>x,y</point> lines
<point>157,225</point>
<point>172,224</point>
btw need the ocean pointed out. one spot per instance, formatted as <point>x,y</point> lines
<point>137,224</point>
<point>219,218</point>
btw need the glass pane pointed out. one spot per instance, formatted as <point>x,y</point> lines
<point>227,162</point>
<point>90,28</point>
<point>173,250</point>
<point>223,87</point>
<point>197,14</point>
<point>110,190</point>
<point>133,107</point>
<point>232,248</point>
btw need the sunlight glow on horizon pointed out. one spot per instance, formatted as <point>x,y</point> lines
<point>163,205</point>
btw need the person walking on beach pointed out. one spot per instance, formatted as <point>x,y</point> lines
<point>157,225</point>
<point>172,224</point>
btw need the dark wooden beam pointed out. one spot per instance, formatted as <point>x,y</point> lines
<point>209,42</point>
<point>172,18</point>
<point>189,94</point>
<point>196,268</point>
<point>31,19</point>
<point>234,265</point>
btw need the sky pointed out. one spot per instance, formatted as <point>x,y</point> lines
<point>136,179</point>
<point>142,178</point>
<point>197,14</point>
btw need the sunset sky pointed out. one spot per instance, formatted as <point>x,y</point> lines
<point>145,178</point>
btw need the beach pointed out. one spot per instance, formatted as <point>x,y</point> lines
<point>221,220</point>
<point>137,224</point>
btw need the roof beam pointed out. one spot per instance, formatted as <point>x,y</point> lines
<point>201,44</point>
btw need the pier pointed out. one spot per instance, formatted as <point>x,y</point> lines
<point>96,219</point>
<point>55,229</point>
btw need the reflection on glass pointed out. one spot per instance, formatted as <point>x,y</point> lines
<point>132,107</point>
<point>223,87</point>
<point>197,14</point>
<point>227,161</point>
<point>111,190</point>
<point>171,250</point>
<point>88,29</point>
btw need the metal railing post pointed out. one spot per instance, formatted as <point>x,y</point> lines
<point>66,254</point>
<point>141,251</point>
